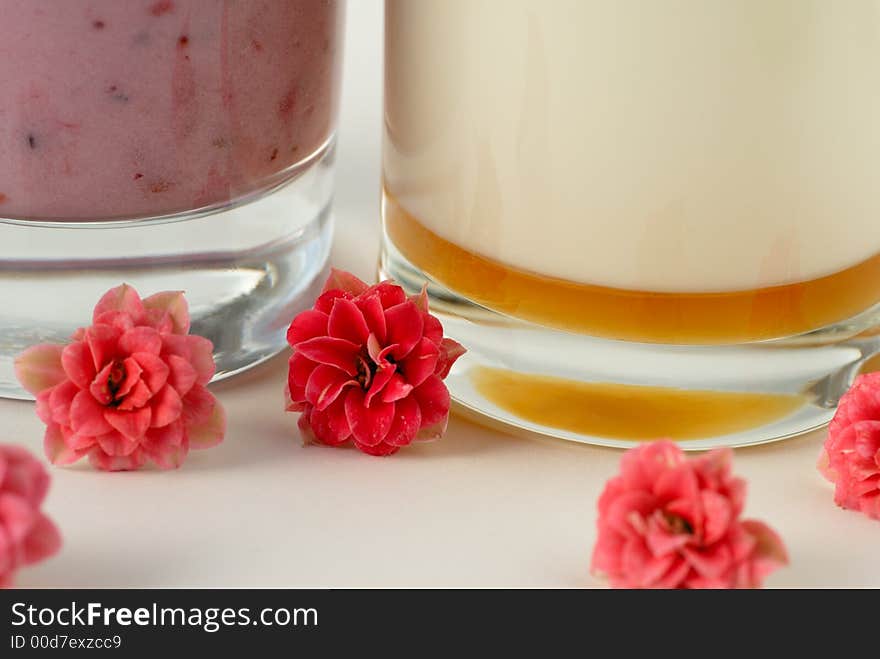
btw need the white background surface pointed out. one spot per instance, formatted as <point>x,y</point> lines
<point>477,508</point>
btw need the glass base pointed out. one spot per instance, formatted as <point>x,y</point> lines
<point>246,269</point>
<point>616,393</point>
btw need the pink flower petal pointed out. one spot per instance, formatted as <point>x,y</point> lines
<point>44,412</point>
<point>141,340</point>
<point>676,575</point>
<point>78,364</point>
<point>335,352</point>
<point>661,541</point>
<point>369,425</point>
<point>678,482</point>
<point>406,424</point>
<point>39,367</point>
<point>397,389</point>
<point>131,424</point>
<point>329,426</point>
<point>175,305</point>
<point>116,319</point>
<point>305,427</point>
<point>709,562</point>
<point>420,299</point>
<point>294,397</point>
<point>389,294</point>
<point>634,559</point>
<point>657,458</point>
<point>154,370</point>
<point>77,441</point>
<point>87,417</point>
<point>116,444</point>
<point>170,457</point>
<point>42,541</point>
<point>627,512</point>
<point>167,407</point>
<point>202,351</point>
<point>211,432</point>
<point>103,341</point>
<point>159,321</point>
<point>123,298</point>
<point>433,330</point>
<point>325,384</point>
<point>307,325</point>
<point>867,440</point>
<point>380,450</point>
<point>742,544</point>
<point>157,440</point>
<point>301,368</point>
<point>22,474</point>
<point>104,462</point>
<point>374,315</point>
<point>718,515</point>
<point>420,363</point>
<point>136,398</point>
<point>17,516</point>
<point>181,375</point>
<point>381,378</point>
<point>325,300</point>
<point>657,569</point>
<point>434,402</point>
<point>344,281</point>
<point>197,350</point>
<point>770,549</point>
<point>56,449</point>
<point>347,322</point>
<point>60,402</point>
<point>289,404</point>
<point>198,406</point>
<point>450,351</point>
<point>404,327</point>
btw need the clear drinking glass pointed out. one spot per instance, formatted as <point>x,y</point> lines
<point>170,144</point>
<point>643,218</point>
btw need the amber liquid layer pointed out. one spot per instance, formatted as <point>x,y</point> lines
<point>628,412</point>
<point>646,316</point>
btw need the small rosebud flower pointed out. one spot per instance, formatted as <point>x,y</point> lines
<point>129,388</point>
<point>368,365</point>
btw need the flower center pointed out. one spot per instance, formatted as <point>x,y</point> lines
<point>678,524</point>
<point>366,369</point>
<point>116,377</point>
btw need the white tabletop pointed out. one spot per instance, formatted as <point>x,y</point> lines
<point>477,508</point>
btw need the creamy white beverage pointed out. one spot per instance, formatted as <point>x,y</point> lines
<point>676,146</point>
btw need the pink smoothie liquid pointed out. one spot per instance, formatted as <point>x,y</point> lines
<point>143,108</point>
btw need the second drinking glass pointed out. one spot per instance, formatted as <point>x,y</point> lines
<point>643,219</point>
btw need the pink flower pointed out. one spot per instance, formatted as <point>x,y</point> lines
<point>670,522</point>
<point>26,534</point>
<point>368,365</point>
<point>128,389</point>
<point>851,456</point>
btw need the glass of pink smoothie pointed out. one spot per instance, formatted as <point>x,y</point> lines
<point>170,144</point>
